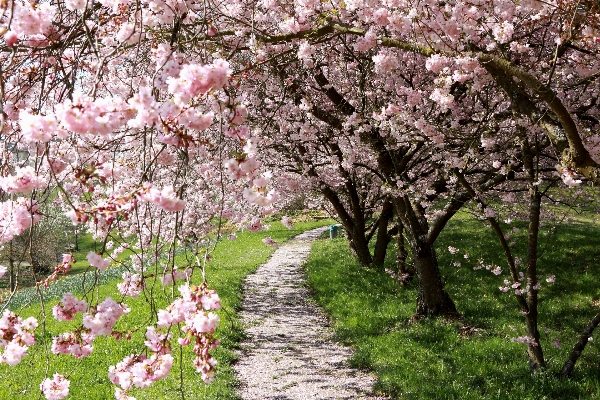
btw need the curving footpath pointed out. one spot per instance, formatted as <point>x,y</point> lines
<point>289,354</point>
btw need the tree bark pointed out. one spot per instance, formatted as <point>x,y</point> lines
<point>536,355</point>
<point>404,273</point>
<point>12,278</point>
<point>360,245</point>
<point>383,239</point>
<point>569,365</point>
<point>432,299</point>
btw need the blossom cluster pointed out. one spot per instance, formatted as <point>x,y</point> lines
<point>166,198</point>
<point>16,216</point>
<point>132,284</point>
<point>56,388</point>
<point>23,181</point>
<point>68,307</point>
<point>16,335</point>
<point>175,274</point>
<point>193,310</point>
<point>99,320</point>
<point>60,269</point>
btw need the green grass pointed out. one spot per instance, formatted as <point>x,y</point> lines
<point>434,359</point>
<point>86,243</point>
<point>231,262</point>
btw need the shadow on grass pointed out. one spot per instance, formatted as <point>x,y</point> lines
<point>431,358</point>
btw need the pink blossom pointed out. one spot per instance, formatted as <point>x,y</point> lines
<point>132,284</point>
<point>270,242</point>
<point>68,306</point>
<point>529,341</point>
<point>151,369</point>
<point>436,62</point>
<point>16,335</point>
<point>569,177</point>
<point>56,388</point>
<point>29,20</point>
<point>305,52</point>
<point>203,322</point>
<point>165,198</point>
<point>195,80</point>
<point>2,270</point>
<point>158,343</point>
<point>78,346</point>
<point>551,279</point>
<point>101,320</point>
<point>487,142</point>
<point>503,32</point>
<point>11,38</point>
<point>367,42</point>
<point>16,216</point>
<point>169,277</point>
<point>210,300</point>
<point>97,261</point>
<point>121,394</point>
<point>385,61</point>
<point>453,250</point>
<point>239,115</point>
<point>139,371</point>
<point>75,4</point>
<point>287,222</point>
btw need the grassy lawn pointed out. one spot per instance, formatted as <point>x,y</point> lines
<point>85,244</point>
<point>475,358</point>
<point>230,263</point>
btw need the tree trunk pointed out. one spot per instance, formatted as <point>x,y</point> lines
<point>536,355</point>
<point>433,299</point>
<point>383,239</point>
<point>353,223</point>
<point>404,273</point>
<point>360,245</point>
<point>12,278</point>
<point>584,338</point>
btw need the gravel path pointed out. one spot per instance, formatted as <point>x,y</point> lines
<point>290,354</point>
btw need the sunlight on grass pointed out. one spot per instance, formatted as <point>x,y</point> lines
<point>475,358</point>
<point>230,263</point>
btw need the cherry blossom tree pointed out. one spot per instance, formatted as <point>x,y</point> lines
<point>106,115</point>
<point>130,116</point>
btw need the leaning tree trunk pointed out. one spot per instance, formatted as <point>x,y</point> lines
<point>584,338</point>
